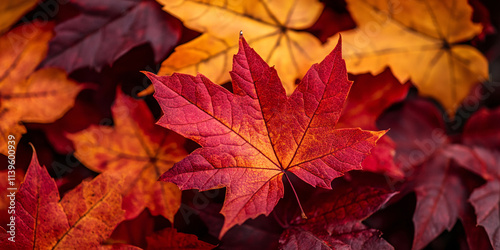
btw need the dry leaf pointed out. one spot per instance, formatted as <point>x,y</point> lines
<point>42,96</point>
<point>140,151</point>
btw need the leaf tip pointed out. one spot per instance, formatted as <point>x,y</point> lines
<point>147,73</point>
<point>34,157</point>
<point>243,44</point>
<point>338,47</point>
<point>379,134</point>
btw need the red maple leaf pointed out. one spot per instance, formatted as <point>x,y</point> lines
<point>419,132</point>
<point>252,137</point>
<point>335,219</point>
<point>369,97</point>
<point>485,199</point>
<point>480,155</point>
<point>441,198</point>
<point>425,151</point>
<point>42,221</point>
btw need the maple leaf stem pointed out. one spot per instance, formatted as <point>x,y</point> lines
<point>302,213</point>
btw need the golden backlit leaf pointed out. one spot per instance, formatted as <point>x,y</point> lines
<point>272,28</point>
<point>27,95</point>
<point>420,41</point>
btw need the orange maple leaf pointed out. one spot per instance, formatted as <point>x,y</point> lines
<point>27,95</point>
<point>137,149</point>
<point>272,28</point>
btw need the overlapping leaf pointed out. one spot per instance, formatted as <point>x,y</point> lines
<point>486,198</point>
<point>44,222</point>
<point>441,196</point>
<point>481,155</point>
<point>111,29</point>
<point>169,238</point>
<point>272,28</point>
<point>335,220</point>
<point>11,11</point>
<point>253,234</point>
<point>137,149</point>
<point>418,131</point>
<point>424,151</point>
<point>483,129</point>
<point>368,98</point>
<point>421,41</point>
<point>26,95</point>
<point>252,137</point>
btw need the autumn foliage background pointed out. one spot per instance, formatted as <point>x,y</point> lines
<point>75,93</point>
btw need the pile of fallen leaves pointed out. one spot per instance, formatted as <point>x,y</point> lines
<point>189,124</point>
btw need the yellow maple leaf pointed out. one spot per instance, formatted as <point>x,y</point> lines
<point>419,40</point>
<point>11,11</point>
<point>272,28</point>
<point>26,95</point>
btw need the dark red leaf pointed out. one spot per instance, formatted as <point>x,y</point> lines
<point>477,238</point>
<point>169,238</point>
<point>483,129</point>
<point>368,98</point>
<point>424,151</point>
<point>107,29</point>
<point>485,199</point>
<point>441,196</point>
<point>418,130</point>
<point>335,219</point>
